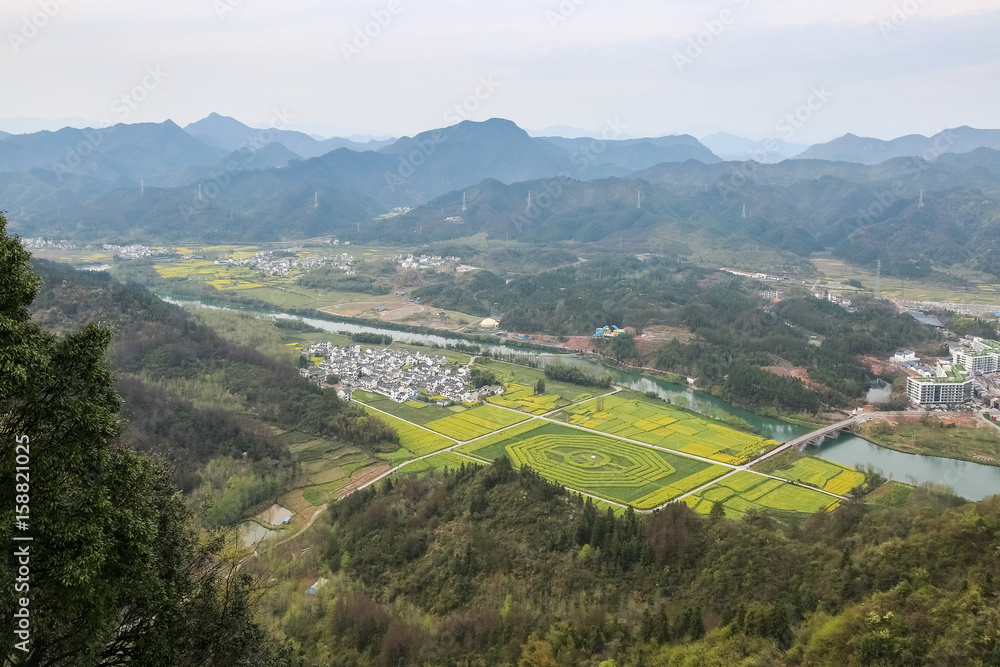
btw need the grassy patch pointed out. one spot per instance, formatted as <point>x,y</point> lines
<point>439,461</point>
<point>977,444</point>
<point>890,494</point>
<point>411,411</point>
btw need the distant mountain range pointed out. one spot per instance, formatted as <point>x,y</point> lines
<point>731,147</point>
<point>865,150</point>
<point>220,180</point>
<point>230,134</point>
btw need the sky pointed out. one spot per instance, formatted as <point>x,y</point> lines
<point>801,71</point>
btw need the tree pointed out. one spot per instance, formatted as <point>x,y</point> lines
<point>118,572</point>
<point>540,386</point>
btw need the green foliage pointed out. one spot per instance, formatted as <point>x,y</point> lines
<point>248,331</point>
<point>337,281</point>
<point>370,338</point>
<point>571,300</point>
<point>737,338</point>
<point>620,348</point>
<point>966,325</point>
<point>498,566</point>
<point>166,349</point>
<point>118,573</point>
<point>573,375</point>
<point>483,377</point>
<point>230,488</point>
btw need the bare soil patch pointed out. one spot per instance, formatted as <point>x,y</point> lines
<point>361,478</point>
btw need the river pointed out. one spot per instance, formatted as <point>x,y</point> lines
<point>973,481</point>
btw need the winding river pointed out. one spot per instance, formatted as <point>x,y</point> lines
<point>973,481</point>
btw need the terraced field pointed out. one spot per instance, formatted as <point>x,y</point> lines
<point>890,494</point>
<point>614,469</point>
<point>743,491</point>
<point>823,474</point>
<point>632,415</point>
<point>475,422</point>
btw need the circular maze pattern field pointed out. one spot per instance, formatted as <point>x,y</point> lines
<point>584,461</point>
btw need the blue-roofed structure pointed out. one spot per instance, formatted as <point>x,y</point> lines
<point>925,319</point>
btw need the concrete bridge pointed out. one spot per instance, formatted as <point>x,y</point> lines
<point>813,438</point>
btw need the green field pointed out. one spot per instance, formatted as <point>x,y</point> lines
<point>475,422</point>
<point>890,494</point>
<point>630,414</point>
<point>801,467</point>
<point>412,411</point>
<point>743,491</point>
<point>614,469</point>
<point>514,374</point>
<point>970,290</point>
<point>412,438</point>
<point>439,461</point>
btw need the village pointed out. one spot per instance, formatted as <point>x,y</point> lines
<point>269,264</point>
<point>401,375</point>
<point>412,262</point>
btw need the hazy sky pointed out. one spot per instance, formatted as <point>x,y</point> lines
<point>873,67</point>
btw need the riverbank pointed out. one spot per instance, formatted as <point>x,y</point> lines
<point>974,479</point>
<point>960,437</point>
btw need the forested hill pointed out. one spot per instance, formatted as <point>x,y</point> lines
<point>734,333</point>
<point>191,396</point>
<point>492,566</point>
<point>862,212</point>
